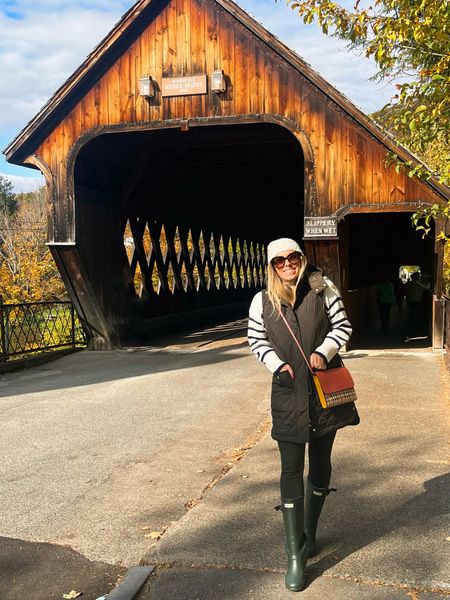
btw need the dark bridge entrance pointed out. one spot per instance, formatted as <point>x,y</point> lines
<point>390,242</point>
<point>195,209</point>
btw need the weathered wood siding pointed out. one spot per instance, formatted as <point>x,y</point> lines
<point>197,36</point>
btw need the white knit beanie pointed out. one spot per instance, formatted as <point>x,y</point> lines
<point>281,245</point>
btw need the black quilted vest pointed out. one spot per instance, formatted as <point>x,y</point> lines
<point>297,415</point>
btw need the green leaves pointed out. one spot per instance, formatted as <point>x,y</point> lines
<point>405,38</point>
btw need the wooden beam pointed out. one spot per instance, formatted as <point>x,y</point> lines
<point>99,334</point>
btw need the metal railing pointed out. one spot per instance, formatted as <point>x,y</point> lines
<point>36,326</point>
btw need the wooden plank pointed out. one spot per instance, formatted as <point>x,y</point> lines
<point>317,137</point>
<point>212,52</point>
<point>113,85</point>
<point>183,54</point>
<point>256,80</point>
<point>284,90</point>
<point>377,176</point>
<point>294,107</point>
<point>163,27</point>
<point>368,171</point>
<point>226,41</point>
<point>156,32</point>
<point>142,68</point>
<point>343,153</point>
<point>331,184</point>
<point>361,149</point>
<point>274,88</point>
<point>104,112</point>
<point>138,104</point>
<point>352,164</point>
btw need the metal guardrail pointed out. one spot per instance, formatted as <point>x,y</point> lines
<point>34,326</point>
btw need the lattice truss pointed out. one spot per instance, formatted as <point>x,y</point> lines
<point>171,259</point>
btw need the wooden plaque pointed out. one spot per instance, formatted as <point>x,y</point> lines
<point>183,86</point>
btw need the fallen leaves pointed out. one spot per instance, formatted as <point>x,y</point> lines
<point>191,503</point>
<point>154,535</point>
<point>71,595</point>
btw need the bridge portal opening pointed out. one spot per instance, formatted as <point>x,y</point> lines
<point>175,222</point>
<point>374,248</point>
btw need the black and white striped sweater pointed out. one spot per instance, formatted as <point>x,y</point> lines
<point>339,335</point>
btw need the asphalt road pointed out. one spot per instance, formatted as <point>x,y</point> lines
<point>101,452</point>
<point>101,449</point>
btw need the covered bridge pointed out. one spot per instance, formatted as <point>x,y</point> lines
<point>187,140</point>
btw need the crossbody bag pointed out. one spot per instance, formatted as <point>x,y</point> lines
<point>334,386</point>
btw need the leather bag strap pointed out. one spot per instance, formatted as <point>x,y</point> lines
<point>296,341</point>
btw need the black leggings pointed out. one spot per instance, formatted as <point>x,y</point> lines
<point>293,461</point>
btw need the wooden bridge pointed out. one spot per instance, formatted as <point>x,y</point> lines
<point>187,140</point>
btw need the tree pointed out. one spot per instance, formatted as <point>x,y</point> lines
<point>410,42</point>
<point>8,202</point>
<point>27,270</point>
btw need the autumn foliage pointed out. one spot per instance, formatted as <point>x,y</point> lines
<point>27,270</point>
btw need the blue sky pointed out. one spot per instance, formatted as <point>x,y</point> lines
<point>43,41</point>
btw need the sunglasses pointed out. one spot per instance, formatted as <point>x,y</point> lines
<point>279,261</point>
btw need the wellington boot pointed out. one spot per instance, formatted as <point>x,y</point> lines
<point>293,512</point>
<point>314,501</point>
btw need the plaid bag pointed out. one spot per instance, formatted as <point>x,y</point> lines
<point>334,386</point>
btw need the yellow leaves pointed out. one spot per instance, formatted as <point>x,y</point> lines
<point>27,270</point>
<point>154,535</point>
<point>404,38</point>
<point>380,51</point>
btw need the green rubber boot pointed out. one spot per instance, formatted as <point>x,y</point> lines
<point>314,501</point>
<point>293,512</point>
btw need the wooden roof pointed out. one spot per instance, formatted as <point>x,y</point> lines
<point>113,45</point>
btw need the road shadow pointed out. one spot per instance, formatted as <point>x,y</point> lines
<point>238,528</point>
<point>221,344</point>
<point>47,571</point>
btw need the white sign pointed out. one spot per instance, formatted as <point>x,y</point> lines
<point>321,227</point>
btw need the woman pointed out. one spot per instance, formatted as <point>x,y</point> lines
<point>315,312</point>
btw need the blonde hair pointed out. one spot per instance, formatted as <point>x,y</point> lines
<point>278,290</point>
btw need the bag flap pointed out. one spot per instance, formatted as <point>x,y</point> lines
<point>335,380</point>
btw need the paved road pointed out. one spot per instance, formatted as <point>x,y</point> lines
<point>384,534</point>
<point>100,449</point>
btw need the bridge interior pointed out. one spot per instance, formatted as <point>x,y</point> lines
<point>173,222</point>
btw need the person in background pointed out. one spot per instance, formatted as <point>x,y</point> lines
<point>313,307</point>
<point>415,292</point>
<point>385,299</point>
<point>399,290</point>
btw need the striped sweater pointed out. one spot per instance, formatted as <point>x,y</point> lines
<point>339,335</point>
